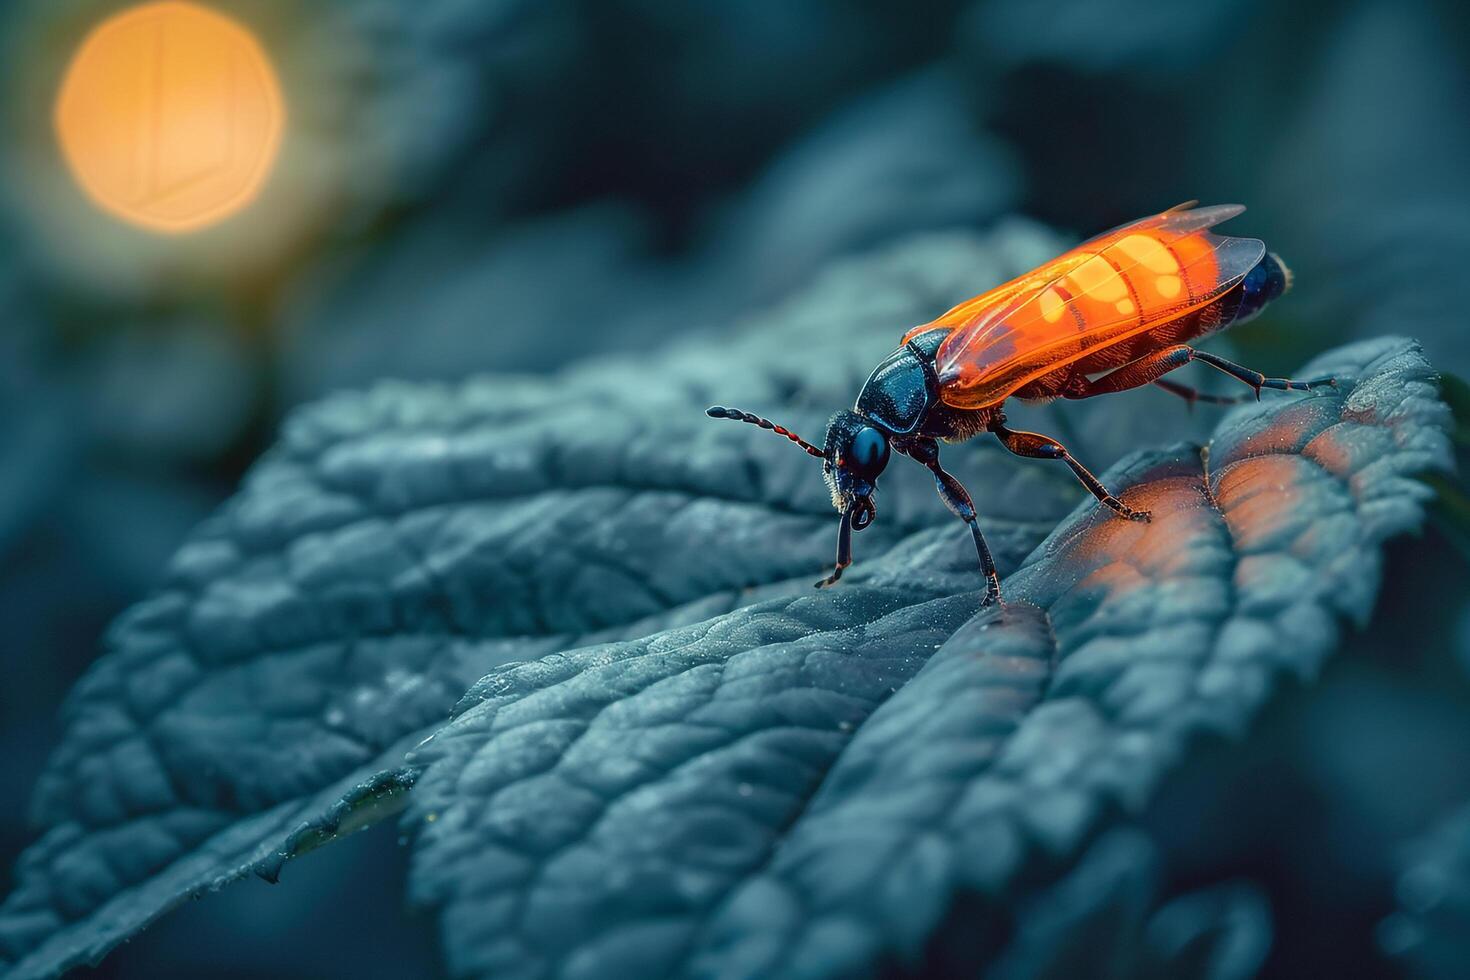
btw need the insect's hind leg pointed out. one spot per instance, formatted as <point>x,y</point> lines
<point>1195,396</point>
<point>1149,369</point>
<point>1256,379</point>
<point>1146,370</point>
<point>1037,446</point>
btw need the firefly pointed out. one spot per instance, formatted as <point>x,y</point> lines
<point>1117,312</point>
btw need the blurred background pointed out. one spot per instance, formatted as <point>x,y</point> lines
<point>472,185</point>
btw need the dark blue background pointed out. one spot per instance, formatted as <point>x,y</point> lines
<point>505,185</point>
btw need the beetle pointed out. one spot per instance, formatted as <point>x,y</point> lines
<point>1114,313</point>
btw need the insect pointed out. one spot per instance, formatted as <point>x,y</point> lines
<point>1114,313</point>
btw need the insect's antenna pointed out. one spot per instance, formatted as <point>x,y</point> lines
<point>719,412</point>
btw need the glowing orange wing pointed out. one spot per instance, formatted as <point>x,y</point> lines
<point>1119,284</point>
<point>967,311</point>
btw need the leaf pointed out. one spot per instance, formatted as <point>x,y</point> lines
<point>800,788</point>
<point>1104,920</point>
<point>1428,932</point>
<point>1451,513</point>
<point>397,545</point>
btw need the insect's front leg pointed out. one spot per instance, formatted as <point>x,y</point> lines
<point>957,499</point>
<point>844,551</point>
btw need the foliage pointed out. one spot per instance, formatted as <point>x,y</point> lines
<point>676,755</point>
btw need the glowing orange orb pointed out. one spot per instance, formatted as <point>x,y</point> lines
<point>170,116</point>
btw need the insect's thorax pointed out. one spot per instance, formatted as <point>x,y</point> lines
<point>902,395</point>
<point>903,387</point>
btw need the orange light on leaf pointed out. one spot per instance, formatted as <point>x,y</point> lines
<point>170,116</point>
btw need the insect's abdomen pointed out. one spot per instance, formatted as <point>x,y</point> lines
<point>1265,282</point>
<point>1104,298</point>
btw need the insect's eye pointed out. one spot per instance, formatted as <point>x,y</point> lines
<point>869,451</point>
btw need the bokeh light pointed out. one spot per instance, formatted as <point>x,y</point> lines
<point>170,116</point>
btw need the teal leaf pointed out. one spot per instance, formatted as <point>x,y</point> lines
<point>400,543</point>
<point>874,778</point>
<point>1105,919</point>
<point>1429,933</point>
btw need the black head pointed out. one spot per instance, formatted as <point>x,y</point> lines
<point>854,458</point>
<point>855,455</point>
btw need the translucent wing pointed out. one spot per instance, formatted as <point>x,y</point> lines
<point>1182,218</point>
<point>1113,287</point>
<point>967,311</point>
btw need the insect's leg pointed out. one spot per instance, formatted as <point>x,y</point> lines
<point>1038,446</point>
<point>1256,379</point>
<point>1145,370</point>
<point>844,551</point>
<point>1149,369</point>
<point>957,499</point>
<point>1194,395</point>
